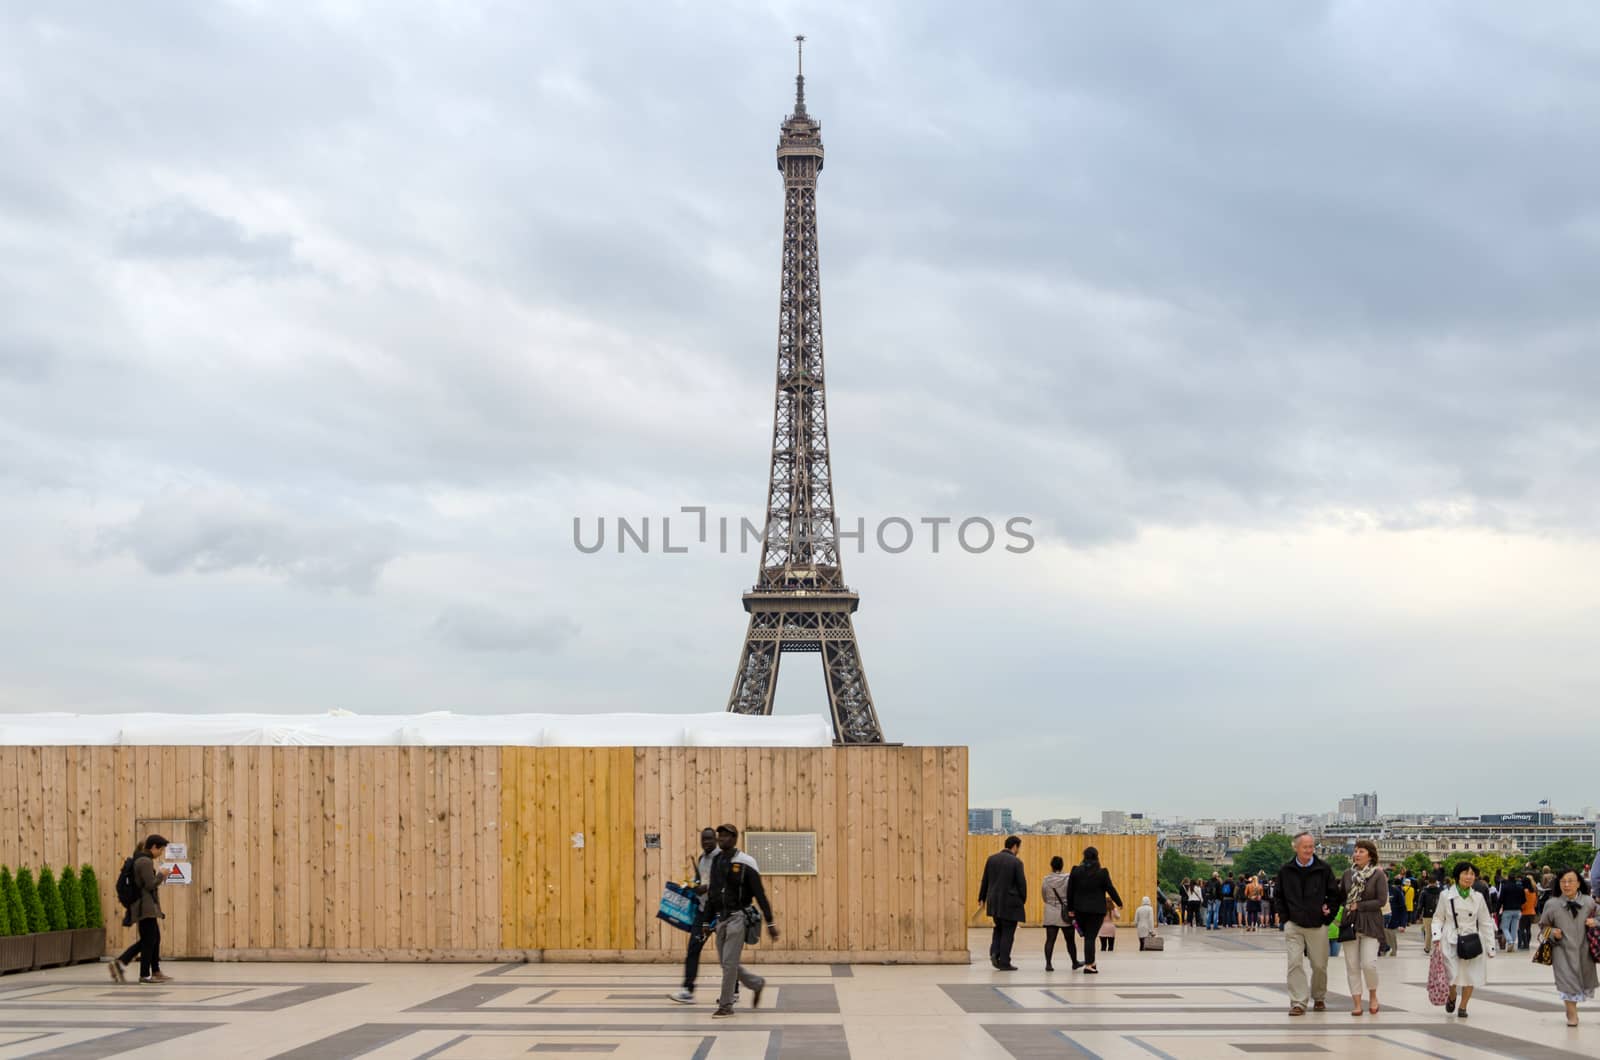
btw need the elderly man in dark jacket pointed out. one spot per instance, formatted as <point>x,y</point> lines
<point>1004,894</point>
<point>1308,895</point>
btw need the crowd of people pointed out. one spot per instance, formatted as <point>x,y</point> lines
<point>1463,920</point>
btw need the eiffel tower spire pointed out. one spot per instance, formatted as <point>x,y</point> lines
<point>800,602</point>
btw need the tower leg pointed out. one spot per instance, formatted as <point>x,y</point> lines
<point>854,719</point>
<point>757,676</point>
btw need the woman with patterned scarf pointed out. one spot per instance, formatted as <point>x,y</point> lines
<point>1366,889</point>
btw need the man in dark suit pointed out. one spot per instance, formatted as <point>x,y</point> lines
<point>1004,894</point>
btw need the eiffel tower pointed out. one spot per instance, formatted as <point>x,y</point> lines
<point>800,601</point>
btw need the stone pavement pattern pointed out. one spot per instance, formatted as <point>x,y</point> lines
<point>1210,994</point>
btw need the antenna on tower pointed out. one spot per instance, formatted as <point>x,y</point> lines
<point>800,73</point>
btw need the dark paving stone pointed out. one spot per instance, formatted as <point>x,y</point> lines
<point>1032,1041</point>
<point>114,1044</point>
<point>151,998</point>
<point>785,1041</point>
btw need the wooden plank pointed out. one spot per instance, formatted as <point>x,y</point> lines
<point>469,866</point>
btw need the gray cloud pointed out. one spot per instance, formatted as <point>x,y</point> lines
<point>219,532</point>
<point>177,230</point>
<point>485,629</point>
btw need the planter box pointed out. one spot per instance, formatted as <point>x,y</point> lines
<point>16,953</point>
<point>52,949</point>
<point>88,944</point>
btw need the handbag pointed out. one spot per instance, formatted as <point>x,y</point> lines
<point>1346,926</point>
<point>680,907</point>
<point>1154,942</point>
<point>1438,978</point>
<point>1467,946</point>
<point>1546,951</point>
<point>752,926</point>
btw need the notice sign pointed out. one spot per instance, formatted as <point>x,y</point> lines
<point>181,872</point>
<point>177,852</point>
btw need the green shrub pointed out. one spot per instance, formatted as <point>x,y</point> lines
<point>71,899</point>
<point>5,906</point>
<point>94,915</point>
<point>11,895</point>
<point>55,913</point>
<point>32,907</point>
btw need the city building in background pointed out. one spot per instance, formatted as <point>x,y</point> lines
<point>987,821</point>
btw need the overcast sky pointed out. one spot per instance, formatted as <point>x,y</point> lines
<point>319,324</point>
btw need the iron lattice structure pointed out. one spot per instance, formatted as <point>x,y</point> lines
<point>800,602</point>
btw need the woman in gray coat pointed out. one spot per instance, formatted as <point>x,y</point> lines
<point>1366,889</point>
<point>146,912</point>
<point>1568,914</point>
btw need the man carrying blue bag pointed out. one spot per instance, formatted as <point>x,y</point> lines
<point>701,929</point>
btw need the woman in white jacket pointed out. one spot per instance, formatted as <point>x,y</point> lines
<point>1144,921</point>
<point>1463,912</point>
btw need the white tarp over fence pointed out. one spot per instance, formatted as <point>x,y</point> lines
<point>435,729</point>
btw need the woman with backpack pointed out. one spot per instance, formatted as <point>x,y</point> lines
<point>136,889</point>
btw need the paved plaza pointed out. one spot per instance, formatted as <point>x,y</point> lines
<point>1217,994</point>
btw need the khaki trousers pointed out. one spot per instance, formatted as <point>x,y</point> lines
<point>1303,943</point>
<point>1361,961</point>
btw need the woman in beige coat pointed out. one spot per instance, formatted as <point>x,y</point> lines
<point>1056,918</point>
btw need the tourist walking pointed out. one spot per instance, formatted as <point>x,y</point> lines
<point>1308,894</point>
<point>702,929</point>
<point>1430,903</point>
<point>1253,892</point>
<point>1568,914</point>
<point>1213,892</point>
<point>1511,899</point>
<point>1530,909</point>
<point>734,887</point>
<point>144,909</point>
<point>1465,932</point>
<point>1397,916</point>
<point>1090,893</point>
<point>1108,929</point>
<point>1366,889</point>
<point>1003,892</point>
<point>1194,900</point>
<point>1144,922</point>
<point>1056,918</point>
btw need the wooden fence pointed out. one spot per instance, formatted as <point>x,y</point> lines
<point>487,853</point>
<point>1131,860</point>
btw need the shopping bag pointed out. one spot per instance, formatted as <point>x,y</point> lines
<point>1545,953</point>
<point>1155,942</point>
<point>1438,978</point>
<point>680,907</point>
<point>1593,937</point>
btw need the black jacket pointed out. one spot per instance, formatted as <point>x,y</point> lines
<point>1087,888</point>
<point>1212,891</point>
<point>735,883</point>
<point>1303,892</point>
<point>1004,888</point>
<point>1430,898</point>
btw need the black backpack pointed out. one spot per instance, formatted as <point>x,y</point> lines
<point>127,886</point>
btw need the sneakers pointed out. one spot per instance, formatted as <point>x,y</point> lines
<point>160,978</point>
<point>755,996</point>
<point>724,1012</point>
<point>115,968</point>
<point>682,997</point>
